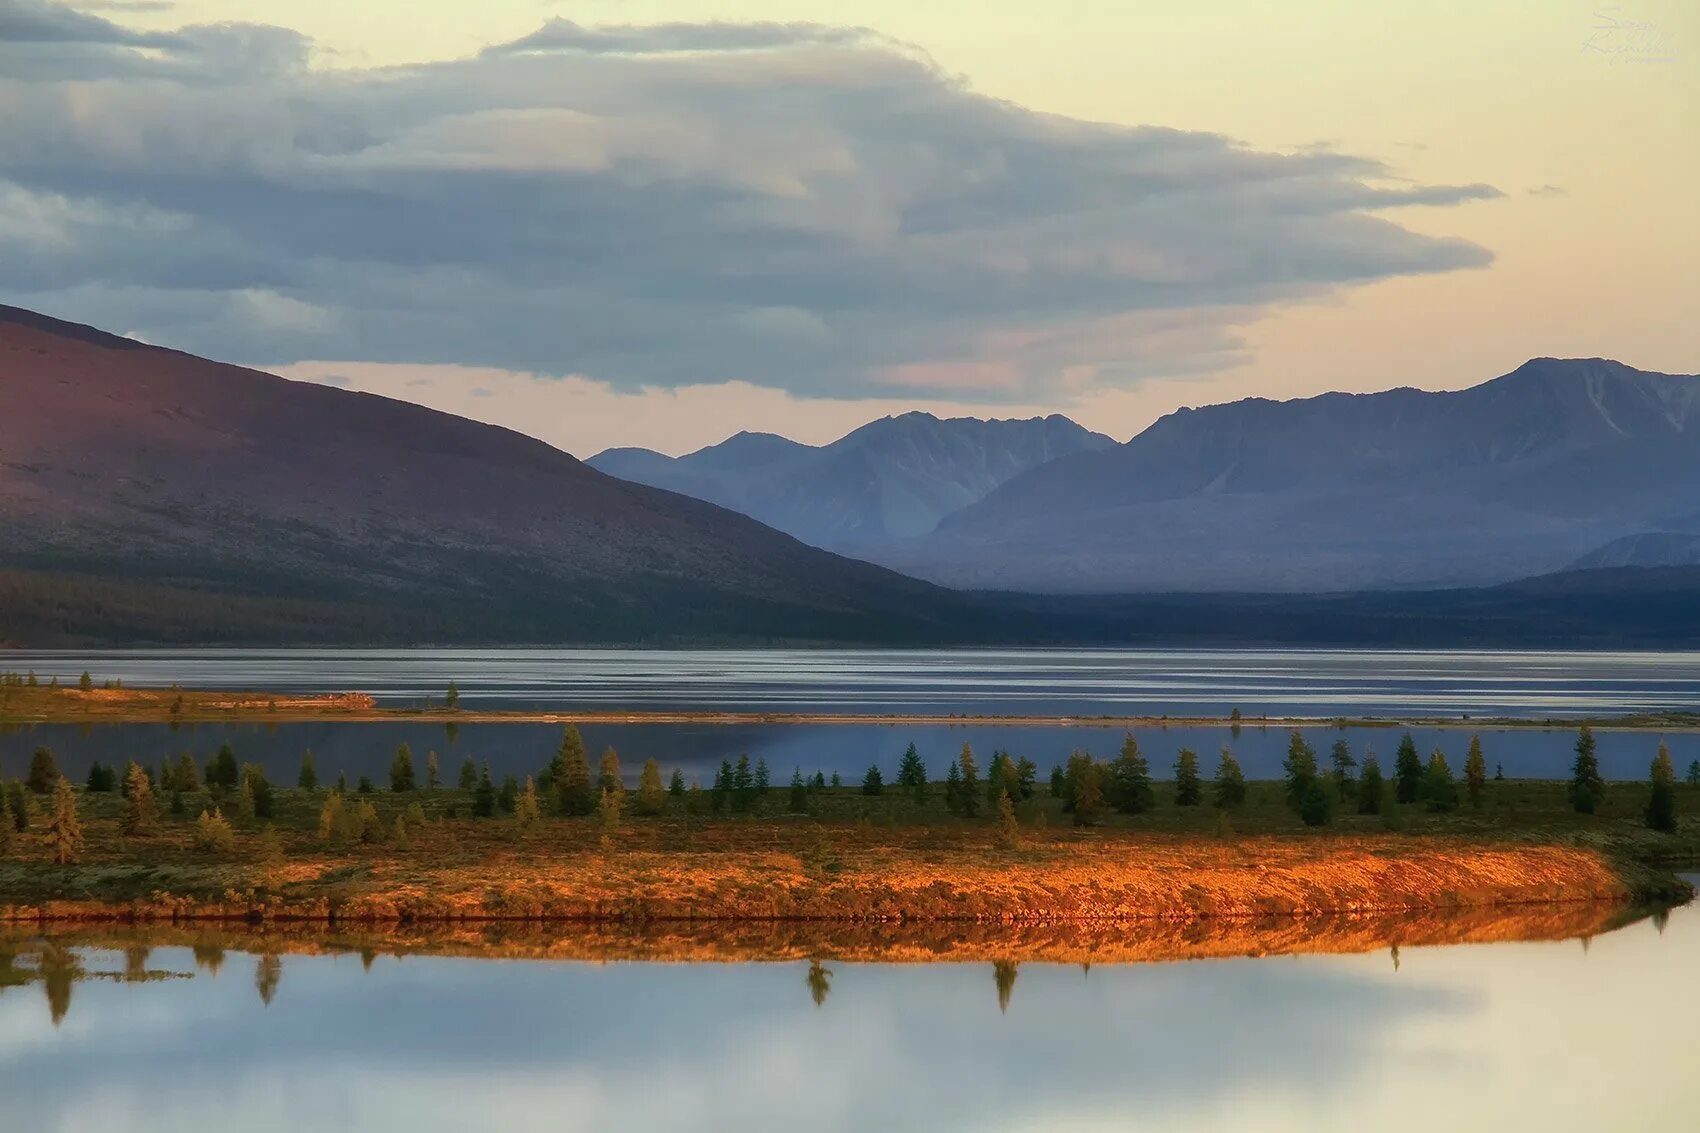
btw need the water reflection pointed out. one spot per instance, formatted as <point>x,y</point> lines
<point>1519,1035</point>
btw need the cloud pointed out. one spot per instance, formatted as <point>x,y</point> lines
<point>1548,191</point>
<point>813,209</point>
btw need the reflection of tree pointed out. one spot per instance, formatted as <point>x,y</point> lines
<point>1661,918</point>
<point>267,972</point>
<point>367,956</point>
<point>209,956</point>
<point>452,731</point>
<point>136,963</point>
<point>1395,951</point>
<point>1004,973</point>
<point>819,981</point>
<point>59,968</point>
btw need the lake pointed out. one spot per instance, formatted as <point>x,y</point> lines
<point>1580,1034</point>
<point>1154,682</point>
<point>845,749</point>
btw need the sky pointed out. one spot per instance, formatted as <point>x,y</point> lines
<point>625,222</point>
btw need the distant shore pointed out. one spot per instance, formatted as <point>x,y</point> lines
<point>71,705</point>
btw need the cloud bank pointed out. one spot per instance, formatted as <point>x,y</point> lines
<point>814,209</point>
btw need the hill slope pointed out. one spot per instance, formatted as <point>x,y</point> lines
<point>1518,476</point>
<point>126,464</point>
<point>891,478</point>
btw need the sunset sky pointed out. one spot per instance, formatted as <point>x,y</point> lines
<point>657,223</point>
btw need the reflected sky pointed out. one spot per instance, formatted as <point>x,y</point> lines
<point>1174,682</point>
<point>1550,1036</point>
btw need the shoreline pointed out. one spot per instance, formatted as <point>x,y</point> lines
<point>25,706</point>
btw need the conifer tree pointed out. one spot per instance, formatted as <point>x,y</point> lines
<point>819,782</point>
<point>1316,805</point>
<point>254,777</point>
<point>141,813</point>
<point>1189,789</point>
<point>995,777</point>
<point>1298,769</point>
<point>508,797</point>
<point>1370,787</point>
<point>1229,782</point>
<point>64,829</point>
<point>330,817</point>
<point>743,784</point>
<point>1130,780</point>
<point>652,797</point>
<point>676,784</point>
<point>837,780</point>
<point>799,802</point>
<point>364,786</point>
<point>1586,786</point>
<point>1475,771</point>
<point>968,796</point>
<point>1661,803</point>
<point>19,798</point>
<point>451,698</point>
<point>762,783</point>
<point>43,776</point>
<point>1009,831</point>
<point>721,793</point>
<point>1340,756</point>
<point>213,834</point>
<point>608,810</point>
<point>484,795</point>
<point>187,777</point>
<point>468,779</point>
<point>1026,778</point>
<point>1059,781</point>
<point>1408,771</point>
<point>401,770</point>
<point>574,793</point>
<point>608,776</point>
<point>85,682</point>
<point>8,829</point>
<point>1440,793</point>
<point>872,783</point>
<point>101,778</point>
<point>308,779</point>
<point>1085,788</point>
<point>432,781</point>
<point>953,786</point>
<point>526,808</point>
<point>222,770</point>
<point>912,774</point>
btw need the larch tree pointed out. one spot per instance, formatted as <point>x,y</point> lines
<point>571,781</point>
<point>609,780</point>
<point>308,779</point>
<point>432,780</point>
<point>527,811</point>
<point>652,796</point>
<point>64,829</point>
<point>1440,793</point>
<point>968,795</point>
<point>141,812</point>
<point>1475,771</point>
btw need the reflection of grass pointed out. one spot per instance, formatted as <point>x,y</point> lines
<point>859,858</point>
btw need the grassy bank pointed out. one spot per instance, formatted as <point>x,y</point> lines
<point>850,857</point>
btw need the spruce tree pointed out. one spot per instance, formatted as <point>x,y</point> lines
<point>308,779</point>
<point>912,774</point>
<point>222,771</point>
<point>720,794</point>
<point>837,780</point>
<point>1026,779</point>
<point>1475,771</point>
<point>508,797</point>
<point>574,793</point>
<point>1408,771</point>
<point>1230,782</point>
<point>1299,769</point>
<point>8,829</point>
<point>872,783</point>
<point>1130,780</point>
<point>676,784</point>
<point>1370,786</point>
<point>1694,773</point>
<point>19,798</point>
<point>819,782</point>
<point>1345,785</point>
<point>743,784</point>
<point>1440,793</point>
<point>1059,781</point>
<point>953,786</point>
<point>468,774</point>
<point>996,776</point>
<point>968,794</point>
<point>762,779</point>
<point>484,795</point>
<point>43,776</point>
<point>1661,803</point>
<point>187,777</point>
<point>799,801</point>
<point>1586,786</point>
<point>101,778</point>
<point>64,829</point>
<point>1189,789</point>
<point>1316,805</point>
<point>401,770</point>
<point>141,813</point>
<point>652,796</point>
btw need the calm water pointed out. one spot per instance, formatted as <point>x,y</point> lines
<point>521,749</point>
<point>1550,1036</point>
<point>1004,681</point>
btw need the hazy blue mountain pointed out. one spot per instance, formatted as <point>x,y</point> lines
<point>1648,549</point>
<point>891,478</point>
<point>1518,476</point>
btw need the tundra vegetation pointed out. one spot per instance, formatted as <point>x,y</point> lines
<point>561,841</point>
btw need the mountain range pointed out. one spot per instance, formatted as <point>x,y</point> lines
<point>890,479</point>
<point>1525,474</point>
<point>150,496</point>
